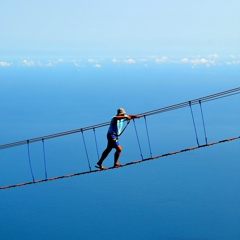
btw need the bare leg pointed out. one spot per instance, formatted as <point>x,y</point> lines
<point>117,155</point>
<point>104,155</point>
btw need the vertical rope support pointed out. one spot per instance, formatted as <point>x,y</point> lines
<point>200,104</point>
<point>86,151</point>
<point>96,142</point>
<point>149,145</point>
<point>194,122</point>
<point>29,160</point>
<point>44,159</point>
<point>138,139</point>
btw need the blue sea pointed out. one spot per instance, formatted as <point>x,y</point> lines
<point>194,195</point>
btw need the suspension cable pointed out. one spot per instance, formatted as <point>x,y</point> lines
<point>86,151</point>
<point>123,165</point>
<point>149,145</point>
<point>44,159</point>
<point>157,111</point>
<point>30,164</point>
<point>95,137</point>
<point>137,138</point>
<point>128,121</point>
<point>194,123</point>
<point>212,97</point>
<point>204,128</point>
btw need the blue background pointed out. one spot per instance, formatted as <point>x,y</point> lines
<point>193,195</point>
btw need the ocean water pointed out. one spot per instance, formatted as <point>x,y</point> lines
<point>190,196</point>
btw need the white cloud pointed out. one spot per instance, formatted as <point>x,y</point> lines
<point>115,60</point>
<point>77,64</point>
<point>35,63</point>
<point>28,63</point>
<point>234,57</point>
<point>214,56</point>
<point>184,60</point>
<point>91,60</point>
<point>50,64</point>
<point>161,60</point>
<point>129,61</point>
<point>233,62</point>
<point>143,60</point>
<point>5,64</point>
<point>198,61</point>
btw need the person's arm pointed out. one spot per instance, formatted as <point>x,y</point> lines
<point>129,117</point>
<point>123,117</point>
<point>134,116</point>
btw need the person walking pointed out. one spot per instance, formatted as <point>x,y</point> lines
<point>114,131</point>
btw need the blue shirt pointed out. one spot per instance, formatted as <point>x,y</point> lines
<point>116,126</point>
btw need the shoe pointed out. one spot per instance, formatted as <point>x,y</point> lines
<point>117,165</point>
<point>100,166</point>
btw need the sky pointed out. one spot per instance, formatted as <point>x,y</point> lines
<point>113,28</point>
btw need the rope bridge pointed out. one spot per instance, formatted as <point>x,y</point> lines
<point>189,104</point>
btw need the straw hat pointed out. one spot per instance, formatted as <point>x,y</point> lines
<point>121,111</point>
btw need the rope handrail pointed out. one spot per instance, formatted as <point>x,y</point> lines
<point>123,165</point>
<point>194,101</point>
<point>157,111</point>
<point>37,139</point>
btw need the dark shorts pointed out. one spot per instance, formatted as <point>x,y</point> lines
<point>112,140</point>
